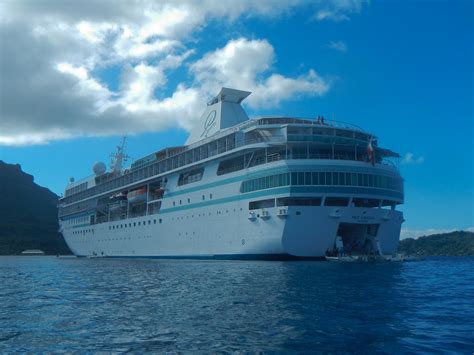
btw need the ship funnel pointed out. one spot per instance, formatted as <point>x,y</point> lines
<point>223,111</point>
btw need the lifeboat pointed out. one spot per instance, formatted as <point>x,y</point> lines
<point>136,196</point>
<point>117,201</point>
<point>117,197</point>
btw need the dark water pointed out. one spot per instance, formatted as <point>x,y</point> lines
<point>51,304</point>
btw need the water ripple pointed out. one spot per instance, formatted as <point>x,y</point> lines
<point>69,305</point>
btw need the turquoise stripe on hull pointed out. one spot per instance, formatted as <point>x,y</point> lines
<point>287,190</point>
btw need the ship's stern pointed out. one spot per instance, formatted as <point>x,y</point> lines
<point>319,231</point>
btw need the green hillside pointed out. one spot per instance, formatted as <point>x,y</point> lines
<point>457,243</point>
<point>28,214</point>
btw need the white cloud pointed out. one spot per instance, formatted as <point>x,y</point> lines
<point>53,52</point>
<point>338,10</point>
<point>410,159</point>
<point>339,46</point>
<point>331,15</point>
<point>243,63</point>
<point>416,233</point>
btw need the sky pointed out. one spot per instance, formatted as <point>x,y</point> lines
<point>76,76</point>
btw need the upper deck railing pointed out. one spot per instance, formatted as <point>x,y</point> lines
<point>277,120</point>
<point>266,120</point>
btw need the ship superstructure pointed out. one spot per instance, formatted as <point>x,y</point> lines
<point>260,188</point>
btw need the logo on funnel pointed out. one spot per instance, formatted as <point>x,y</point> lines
<point>209,123</point>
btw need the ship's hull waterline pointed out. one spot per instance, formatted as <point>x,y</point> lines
<point>297,232</point>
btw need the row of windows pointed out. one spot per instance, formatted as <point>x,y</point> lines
<point>316,201</point>
<point>329,131</point>
<point>299,201</point>
<point>83,231</point>
<point>189,200</point>
<point>76,189</point>
<point>322,178</point>
<point>78,220</point>
<point>135,224</point>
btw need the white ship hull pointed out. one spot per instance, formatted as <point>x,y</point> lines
<point>231,234</point>
<point>217,228</point>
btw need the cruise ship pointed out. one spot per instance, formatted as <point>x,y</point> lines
<point>240,188</point>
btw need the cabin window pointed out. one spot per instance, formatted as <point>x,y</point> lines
<point>336,201</point>
<point>322,178</point>
<point>190,176</point>
<point>300,178</point>
<point>294,178</point>
<point>254,205</point>
<point>388,203</point>
<point>231,165</point>
<point>299,201</point>
<point>365,202</point>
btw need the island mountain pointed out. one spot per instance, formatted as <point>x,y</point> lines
<point>457,243</point>
<point>28,214</point>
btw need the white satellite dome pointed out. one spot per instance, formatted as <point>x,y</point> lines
<point>99,168</point>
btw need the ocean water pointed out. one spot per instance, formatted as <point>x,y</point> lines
<point>110,305</point>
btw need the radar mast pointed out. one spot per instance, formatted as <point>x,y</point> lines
<point>119,157</point>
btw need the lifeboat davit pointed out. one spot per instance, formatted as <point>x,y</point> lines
<point>136,196</point>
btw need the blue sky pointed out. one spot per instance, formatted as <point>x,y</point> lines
<point>74,80</point>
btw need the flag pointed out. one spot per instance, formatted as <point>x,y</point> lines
<point>370,152</point>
